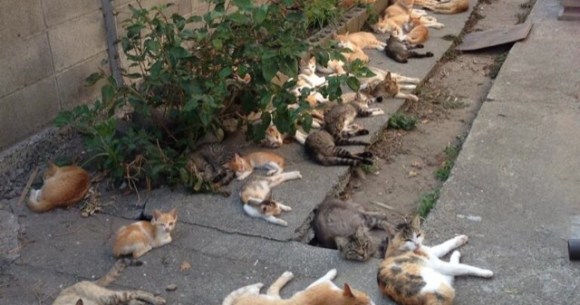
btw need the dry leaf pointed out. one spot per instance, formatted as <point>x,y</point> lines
<point>413,174</point>
<point>185,265</point>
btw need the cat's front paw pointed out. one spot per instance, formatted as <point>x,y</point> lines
<point>288,274</point>
<point>159,301</point>
<point>455,257</point>
<point>486,273</point>
<point>461,240</point>
<point>331,273</point>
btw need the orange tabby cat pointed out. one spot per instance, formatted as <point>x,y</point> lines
<point>444,7</point>
<point>140,237</point>
<point>244,165</point>
<point>400,7</point>
<point>360,40</point>
<point>322,292</point>
<point>416,32</point>
<point>63,186</point>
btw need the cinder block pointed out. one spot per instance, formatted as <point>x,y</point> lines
<point>59,11</point>
<point>24,62</point>
<point>72,89</point>
<point>77,40</point>
<point>19,19</point>
<point>27,111</point>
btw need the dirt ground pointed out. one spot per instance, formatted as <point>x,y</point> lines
<point>449,102</point>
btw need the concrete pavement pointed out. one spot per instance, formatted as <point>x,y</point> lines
<point>515,186</point>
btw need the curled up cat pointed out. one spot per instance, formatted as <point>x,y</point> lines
<point>94,293</point>
<point>321,146</point>
<point>414,274</point>
<point>321,292</point>
<point>345,226</point>
<point>256,195</point>
<point>140,237</point>
<point>62,187</point>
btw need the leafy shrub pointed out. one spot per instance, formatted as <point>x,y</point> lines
<point>402,121</point>
<point>185,77</point>
<point>320,13</point>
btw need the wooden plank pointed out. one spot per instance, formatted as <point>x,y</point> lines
<point>495,37</point>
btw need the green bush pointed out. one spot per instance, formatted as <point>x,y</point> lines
<point>186,76</point>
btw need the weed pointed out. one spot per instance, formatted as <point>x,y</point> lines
<point>521,17</point>
<point>403,121</point>
<point>528,5</point>
<point>427,202</point>
<point>443,172</point>
<point>451,54</point>
<point>454,38</point>
<point>453,103</point>
<point>371,168</point>
<point>496,66</point>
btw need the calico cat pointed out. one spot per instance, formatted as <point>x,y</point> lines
<point>322,292</point>
<point>94,293</point>
<point>62,187</point>
<point>140,237</point>
<point>256,195</point>
<point>399,51</point>
<point>321,146</point>
<point>243,166</point>
<point>444,6</point>
<point>339,120</point>
<point>344,225</point>
<point>388,87</point>
<point>211,159</point>
<point>414,274</point>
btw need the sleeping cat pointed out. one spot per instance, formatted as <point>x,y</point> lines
<point>243,166</point>
<point>414,274</point>
<point>322,148</point>
<point>399,51</point>
<point>388,87</point>
<point>344,225</point>
<point>62,187</point>
<point>140,237</point>
<point>94,293</point>
<point>360,40</point>
<point>322,292</point>
<point>211,159</point>
<point>444,6</point>
<point>256,195</point>
<point>415,32</point>
<point>339,120</point>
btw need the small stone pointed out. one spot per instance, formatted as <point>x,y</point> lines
<point>171,287</point>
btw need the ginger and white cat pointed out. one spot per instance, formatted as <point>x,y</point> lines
<point>414,274</point>
<point>415,31</point>
<point>243,166</point>
<point>359,40</point>
<point>140,237</point>
<point>322,292</point>
<point>62,187</point>
<point>94,293</point>
<point>444,7</point>
<point>256,195</point>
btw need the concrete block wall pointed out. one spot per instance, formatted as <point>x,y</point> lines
<point>47,49</point>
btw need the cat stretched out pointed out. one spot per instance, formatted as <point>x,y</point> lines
<point>345,226</point>
<point>62,187</point>
<point>94,293</point>
<point>243,166</point>
<point>414,274</point>
<point>444,6</point>
<point>140,237</point>
<point>339,120</point>
<point>322,292</point>
<point>321,146</point>
<point>388,87</point>
<point>256,195</point>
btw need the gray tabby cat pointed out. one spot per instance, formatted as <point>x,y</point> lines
<point>346,226</point>
<point>400,52</point>
<point>93,293</point>
<point>339,120</point>
<point>212,160</point>
<point>321,146</point>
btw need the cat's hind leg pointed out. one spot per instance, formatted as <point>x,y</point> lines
<point>454,269</point>
<point>328,277</point>
<point>283,207</point>
<point>277,179</point>
<point>273,168</point>
<point>275,220</point>
<point>441,249</point>
<point>406,96</point>
<point>274,289</point>
<point>141,250</point>
<point>122,297</point>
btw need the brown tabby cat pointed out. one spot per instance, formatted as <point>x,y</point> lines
<point>94,293</point>
<point>388,87</point>
<point>322,292</point>
<point>343,225</point>
<point>321,146</point>
<point>62,187</point>
<point>211,159</point>
<point>414,274</point>
<point>399,51</point>
<point>140,237</point>
<point>339,120</point>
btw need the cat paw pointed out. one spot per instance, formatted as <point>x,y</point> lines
<point>331,273</point>
<point>287,274</point>
<point>461,240</point>
<point>365,154</point>
<point>159,301</point>
<point>429,54</point>
<point>363,132</point>
<point>486,273</point>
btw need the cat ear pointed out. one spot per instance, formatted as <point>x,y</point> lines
<point>173,212</point>
<point>416,222</point>
<point>79,302</point>
<point>347,291</point>
<point>340,242</point>
<point>156,214</point>
<point>360,231</point>
<point>388,76</point>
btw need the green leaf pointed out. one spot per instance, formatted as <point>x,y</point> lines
<point>107,93</point>
<point>179,52</point>
<point>225,72</point>
<point>93,78</point>
<point>244,4</point>
<point>269,68</point>
<point>260,14</point>
<point>353,83</point>
<point>217,43</point>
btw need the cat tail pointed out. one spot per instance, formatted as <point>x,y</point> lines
<point>234,295</point>
<point>345,142</point>
<point>414,54</point>
<point>116,270</point>
<point>37,205</point>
